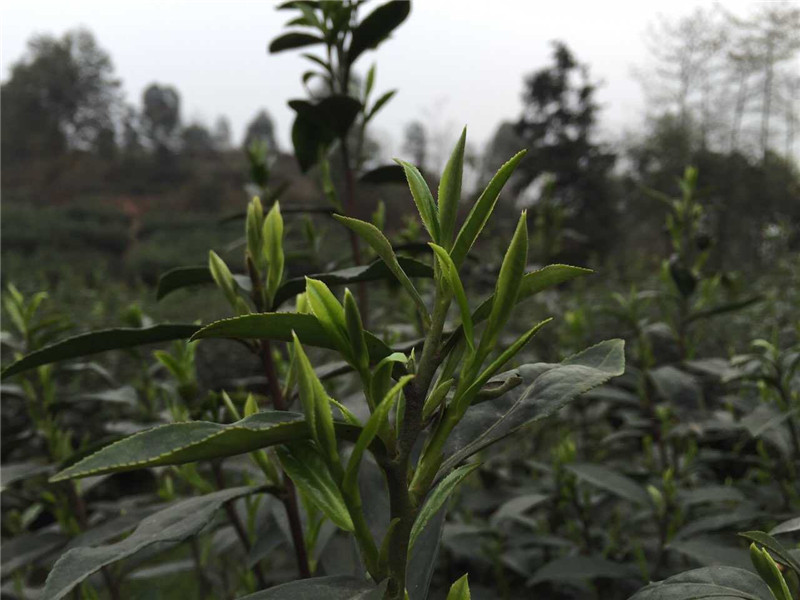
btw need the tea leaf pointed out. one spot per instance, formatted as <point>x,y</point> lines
<point>611,481</point>
<point>709,582</point>
<point>376,421</point>
<point>179,443</point>
<point>335,587</point>
<point>546,388</point>
<point>509,282</point>
<point>450,192</point>
<point>437,498</point>
<point>581,568</point>
<point>355,331</point>
<point>330,314</point>
<point>279,326</point>
<point>482,210</point>
<point>384,174</point>
<point>372,272</point>
<point>273,249</point>
<point>460,589</point>
<point>315,402</point>
<point>423,199</point>
<point>454,281</point>
<point>780,552</point>
<point>182,277</point>
<point>383,249</point>
<point>95,342</point>
<point>169,526</point>
<point>292,40</point>
<point>377,26</point>
<point>304,465</point>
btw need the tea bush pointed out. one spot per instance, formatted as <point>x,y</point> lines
<point>328,411</point>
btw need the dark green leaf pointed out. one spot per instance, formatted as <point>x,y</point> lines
<point>279,326</point>
<point>179,443</point>
<point>545,389</point>
<point>725,583</point>
<point>611,481</point>
<point>292,40</point>
<point>385,174</point>
<point>371,272</point>
<point>95,342</point>
<point>336,587</point>
<point>723,308</point>
<point>779,552</point>
<point>182,277</point>
<point>581,568</point>
<point>169,526</point>
<point>377,26</point>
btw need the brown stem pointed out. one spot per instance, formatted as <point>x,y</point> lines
<point>290,494</point>
<point>233,517</point>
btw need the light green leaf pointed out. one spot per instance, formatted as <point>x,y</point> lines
<point>374,424</point>
<point>167,527</point>
<point>95,342</point>
<point>507,289</point>
<point>437,498</point>
<point>460,589</point>
<point>273,249</point>
<point>482,210</point>
<point>315,402</point>
<point>179,443</point>
<point>382,375</point>
<point>422,198</point>
<point>307,469</point>
<point>355,331</point>
<point>454,282</point>
<point>383,249</point>
<point>450,192</point>
<point>330,314</point>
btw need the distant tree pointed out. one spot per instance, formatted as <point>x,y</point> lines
<point>770,39</point>
<point>222,134</point>
<point>558,126</point>
<point>196,140</point>
<point>161,117</point>
<point>415,143</point>
<point>61,95</point>
<point>261,128</point>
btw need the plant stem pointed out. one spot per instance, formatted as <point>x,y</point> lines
<point>241,533</point>
<point>289,497</point>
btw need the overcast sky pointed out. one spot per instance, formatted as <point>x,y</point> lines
<point>454,61</point>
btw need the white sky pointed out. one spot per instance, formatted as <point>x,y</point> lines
<point>455,62</point>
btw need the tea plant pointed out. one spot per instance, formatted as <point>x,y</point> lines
<point>429,408</point>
